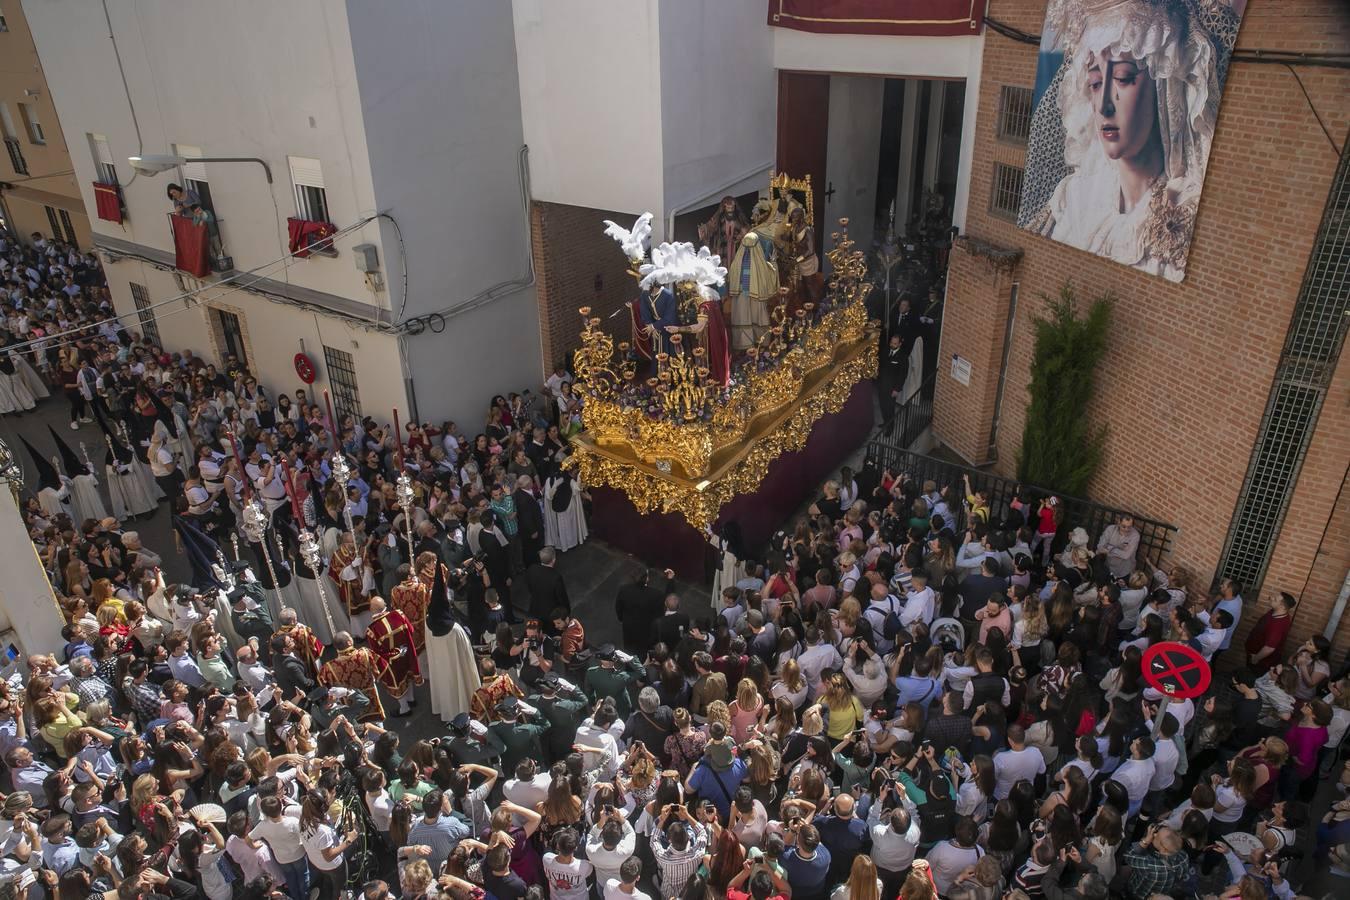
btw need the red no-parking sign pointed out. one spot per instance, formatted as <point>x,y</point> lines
<point>1175,670</point>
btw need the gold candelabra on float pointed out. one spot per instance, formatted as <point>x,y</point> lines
<point>665,439</point>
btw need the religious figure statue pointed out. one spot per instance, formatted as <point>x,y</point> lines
<point>809,283</point>
<point>657,309</point>
<point>752,285</point>
<point>723,232</point>
<point>710,330</point>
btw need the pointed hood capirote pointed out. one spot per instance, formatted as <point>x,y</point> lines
<point>47,474</point>
<point>73,465</point>
<point>163,413</point>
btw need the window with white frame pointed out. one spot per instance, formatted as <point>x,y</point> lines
<point>194,175</point>
<point>30,121</point>
<point>311,203</point>
<point>103,158</point>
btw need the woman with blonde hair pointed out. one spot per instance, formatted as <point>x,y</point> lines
<point>845,712</point>
<point>790,685</point>
<point>781,723</point>
<point>862,884</point>
<point>718,711</point>
<point>145,629</point>
<point>77,578</point>
<point>102,594</point>
<point>746,711</point>
<point>416,878</point>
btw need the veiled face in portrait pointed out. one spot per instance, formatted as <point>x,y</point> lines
<point>1122,125</point>
<point>1125,103</point>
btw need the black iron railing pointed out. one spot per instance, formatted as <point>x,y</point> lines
<point>910,419</point>
<point>1155,538</point>
<point>16,160</point>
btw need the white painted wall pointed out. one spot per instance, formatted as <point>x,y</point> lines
<point>897,57</point>
<point>273,334</point>
<point>851,156</point>
<point>439,99</point>
<point>590,99</point>
<point>718,97</point>
<point>25,593</point>
<point>245,78</point>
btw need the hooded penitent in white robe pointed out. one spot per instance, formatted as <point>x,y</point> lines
<point>85,501</point>
<point>453,672</point>
<point>563,530</point>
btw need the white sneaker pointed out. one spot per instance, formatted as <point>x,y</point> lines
<point>86,420</point>
<point>74,426</point>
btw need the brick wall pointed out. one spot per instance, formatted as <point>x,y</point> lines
<point>1189,366</point>
<point>570,250</point>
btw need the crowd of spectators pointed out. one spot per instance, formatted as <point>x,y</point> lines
<point>910,693</point>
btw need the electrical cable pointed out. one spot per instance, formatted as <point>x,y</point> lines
<point>1268,57</point>
<point>505,288</point>
<point>403,257</point>
<point>257,270</point>
<point>1316,115</point>
<point>38,177</point>
<point>126,89</point>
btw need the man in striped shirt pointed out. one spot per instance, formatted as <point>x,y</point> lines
<point>679,847</point>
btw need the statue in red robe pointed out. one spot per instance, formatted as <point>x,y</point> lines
<point>390,637</point>
<point>710,332</point>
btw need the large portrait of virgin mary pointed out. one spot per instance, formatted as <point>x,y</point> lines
<point>1124,111</point>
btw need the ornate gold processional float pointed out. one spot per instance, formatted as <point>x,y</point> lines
<point>675,428</point>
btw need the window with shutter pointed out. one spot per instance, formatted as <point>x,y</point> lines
<point>103,158</point>
<point>311,202</point>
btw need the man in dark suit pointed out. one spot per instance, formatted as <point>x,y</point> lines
<point>292,673</point>
<point>529,519</point>
<point>673,623</point>
<point>893,366</point>
<point>497,561</point>
<point>637,605</point>
<point>546,587</point>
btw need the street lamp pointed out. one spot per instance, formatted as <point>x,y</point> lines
<point>154,163</point>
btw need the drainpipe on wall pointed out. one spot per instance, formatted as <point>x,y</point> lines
<point>1338,609</point>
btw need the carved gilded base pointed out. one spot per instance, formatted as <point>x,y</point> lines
<point>738,469</point>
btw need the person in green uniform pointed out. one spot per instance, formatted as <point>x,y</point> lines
<point>563,709</point>
<point>612,677</point>
<point>472,742</point>
<point>521,739</point>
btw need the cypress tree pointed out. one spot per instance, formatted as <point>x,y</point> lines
<point>1061,450</point>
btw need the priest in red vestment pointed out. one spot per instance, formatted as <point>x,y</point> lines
<point>307,645</point>
<point>347,571</point>
<point>412,594</point>
<point>357,668</point>
<point>390,637</point>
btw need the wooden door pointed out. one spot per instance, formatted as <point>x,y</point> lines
<point>803,130</point>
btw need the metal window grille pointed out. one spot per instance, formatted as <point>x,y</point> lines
<point>232,336</point>
<point>342,378</point>
<point>149,327</point>
<point>1311,349</point>
<point>107,173</point>
<point>1014,114</point>
<point>16,160</point>
<point>53,222</point>
<point>1155,538</point>
<point>68,227</point>
<point>1005,197</point>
